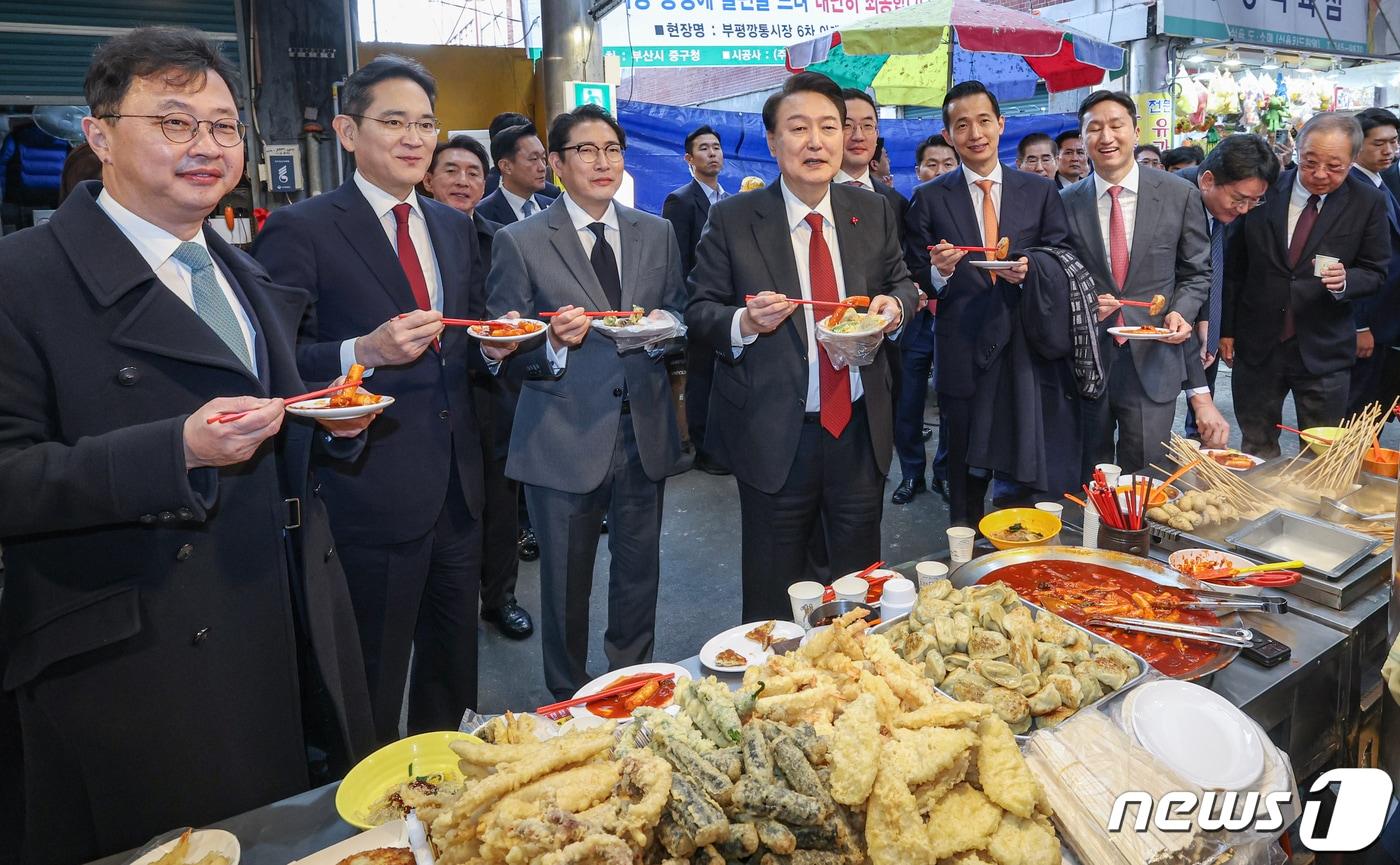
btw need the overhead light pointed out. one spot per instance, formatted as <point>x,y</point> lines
<point>1232,60</point>
<point>1270,61</point>
<point>1197,56</point>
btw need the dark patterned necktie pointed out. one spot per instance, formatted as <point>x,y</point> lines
<point>1216,304</point>
<point>605,265</point>
<point>1296,243</point>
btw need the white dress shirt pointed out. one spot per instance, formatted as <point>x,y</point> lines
<point>863,180</point>
<point>801,234</point>
<point>612,233</point>
<point>1373,176</point>
<point>715,193</point>
<point>1296,202</point>
<point>971,177</point>
<point>518,204</point>
<point>157,246</point>
<point>1127,202</point>
<point>383,204</point>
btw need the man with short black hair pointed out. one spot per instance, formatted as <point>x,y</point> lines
<point>809,443</point>
<point>595,431</point>
<point>687,208</point>
<point>1378,316</point>
<point>1181,158</point>
<point>1037,154</point>
<point>1071,164</point>
<point>519,155</point>
<point>1148,155</point>
<point>934,156</point>
<point>499,124</point>
<point>862,136</point>
<point>1319,244</point>
<point>175,628</point>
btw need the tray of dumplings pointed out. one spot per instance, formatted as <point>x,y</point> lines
<point>986,644</point>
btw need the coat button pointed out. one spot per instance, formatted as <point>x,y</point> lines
<point>316,490</point>
<point>184,552</point>
<point>185,514</point>
<point>330,553</point>
<point>147,519</point>
<point>199,636</point>
<point>167,517</point>
<point>617,391</point>
<point>443,414</point>
<point>128,376</point>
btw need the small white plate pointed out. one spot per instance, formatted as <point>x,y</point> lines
<point>863,334</point>
<point>1130,333</point>
<point>754,653</point>
<point>391,834</point>
<point>1210,453</point>
<point>202,843</point>
<point>507,340</point>
<point>994,265</point>
<point>607,679</point>
<point>321,410</point>
<point>1197,733</point>
<point>645,326</point>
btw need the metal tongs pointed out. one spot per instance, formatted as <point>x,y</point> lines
<point>1229,601</point>
<point>1238,637</point>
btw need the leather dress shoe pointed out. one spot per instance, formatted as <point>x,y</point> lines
<point>926,433</point>
<point>940,487</point>
<point>527,547</point>
<point>511,619</point>
<point>709,466</point>
<point>907,489</point>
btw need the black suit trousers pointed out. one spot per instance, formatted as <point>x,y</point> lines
<point>833,486</point>
<point>419,599</point>
<point>1259,391</point>
<point>967,486</point>
<point>699,373</point>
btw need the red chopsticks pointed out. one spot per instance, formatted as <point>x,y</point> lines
<point>615,690</point>
<point>832,303</point>
<point>1307,435</point>
<point>1126,513</point>
<point>603,314</point>
<point>1145,304</point>
<point>225,417</point>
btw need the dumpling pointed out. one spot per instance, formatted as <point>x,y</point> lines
<point>1089,687</point>
<point>943,631</point>
<point>930,608</point>
<point>987,644</point>
<point>938,589</point>
<point>1023,652</point>
<point>957,660</point>
<point>1117,653</point>
<point>1110,672</point>
<point>1004,674</point>
<point>1017,621</point>
<point>1053,629</point>
<point>934,667</point>
<point>962,630</point>
<point>1046,700</point>
<point>966,685</point>
<point>1049,654</point>
<point>916,645</point>
<point>1010,706</point>
<point>1071,692</point>
<point>1030,683</point>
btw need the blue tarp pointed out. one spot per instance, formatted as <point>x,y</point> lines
<point>656,145</point>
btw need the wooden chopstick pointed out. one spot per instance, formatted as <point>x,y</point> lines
<point>225,417</point>
<point>1306,435</point>
<point>625,688</point>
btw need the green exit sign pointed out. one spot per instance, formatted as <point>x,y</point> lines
<point>598,93</point>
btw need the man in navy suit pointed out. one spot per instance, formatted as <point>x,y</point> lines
<point>1378,316</point>
<point>1009,400</point>
<point>500,123</point>
<point>520,157</point>
<point>383,266</point>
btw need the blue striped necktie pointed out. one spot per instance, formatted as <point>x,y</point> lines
<point>1216,302</point>
<point>528,207</point>
<point>210,302</point>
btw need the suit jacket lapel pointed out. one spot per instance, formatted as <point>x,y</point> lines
<point>1331,211</point>
<point>565,241</point>
<point>454,270</point>
<point>1278,213</point>
<point>843,211</point>
<point>630,233</point>
<point>702,198</point>
<point>1145,218</point>
<point>274,309</point>
<point>365,234</point>
<point>774,238</point>
<point>961,213</point>
<point>1083,208</point>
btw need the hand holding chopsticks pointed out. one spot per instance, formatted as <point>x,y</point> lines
<point>226,417</point>
<point>852,302</point>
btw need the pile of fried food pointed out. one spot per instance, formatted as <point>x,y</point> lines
<point>180,854</point>
<point>981,644</point>
<point>839,752</point>
<point>506,328</point>
<point>353,396</point>
<point>638,313</point>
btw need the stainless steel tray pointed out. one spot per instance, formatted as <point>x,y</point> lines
<point>1157,572</point>
<point>1328,549</point>
<point>1093,637</point>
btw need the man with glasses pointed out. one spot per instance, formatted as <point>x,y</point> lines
<point>1148,155</point>
<point>170,600</point>
<point>595,431</point>
<point>1232,181</point>
<point>1292,274</point>
<point>518,154</point>
<point>382,266</point>
<point>1036,153</point>
<point>1378,316</point>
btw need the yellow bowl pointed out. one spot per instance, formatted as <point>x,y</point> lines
<point>395,763</point>
<point>1330,433</point>
<point>1044,522</point>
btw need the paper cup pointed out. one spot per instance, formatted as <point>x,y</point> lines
<point>804,597</point>
<point>850,588</point>
<point>1322,262</point>
<point>1051,508</point>
<point>1110,473</point>
<point>929,573</point>
<point>1091,527</point>
<point>960,540</point>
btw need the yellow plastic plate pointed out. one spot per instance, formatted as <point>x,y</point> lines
<point>395,763</point>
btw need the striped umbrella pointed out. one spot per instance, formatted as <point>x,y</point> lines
<point>905,54</point>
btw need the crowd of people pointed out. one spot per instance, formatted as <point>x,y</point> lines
<point>200,617</point>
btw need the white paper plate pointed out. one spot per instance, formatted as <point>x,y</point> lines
<point>734,639</point>
<point>994,265</point>
<point>391,834</point>
<point>507,340</point>
<point>202,842</point>
<point>1197,733</point>
<point>321,410</point>
<point>642,328</point>
<point>1126,332</point>
<point>583,714</point>
<point>1209,452</point>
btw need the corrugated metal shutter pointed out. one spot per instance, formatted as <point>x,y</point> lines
<point>45,47</point>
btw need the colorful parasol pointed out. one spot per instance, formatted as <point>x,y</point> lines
<point>905,54</point>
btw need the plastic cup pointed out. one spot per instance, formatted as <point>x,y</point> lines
<point>851,588</point>
<point>804,597</point>
<point>929,573</point>
<point>898,598</point>
<point>1091,527</point>
<point>960,540</point>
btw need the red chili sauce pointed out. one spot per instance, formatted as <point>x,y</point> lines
<point>623,705</point>
<point>1079,591</point>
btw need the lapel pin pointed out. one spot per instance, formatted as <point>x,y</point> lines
<point>855,220</point>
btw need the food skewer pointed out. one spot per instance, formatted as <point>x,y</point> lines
<point>228,416</point>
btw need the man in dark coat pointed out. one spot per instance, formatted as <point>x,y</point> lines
<point>1378,316</point>
<point>175,617</point>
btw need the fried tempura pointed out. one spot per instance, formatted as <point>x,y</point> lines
<point>1002,771</point>
<point>964,819</point>
<point>1023,842</point>
<point>855,751</point>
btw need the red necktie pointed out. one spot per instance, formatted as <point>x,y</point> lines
<point>834,385</point>
<point>1301,230</point>
<point>1117,248</point>
<point>408,259</point>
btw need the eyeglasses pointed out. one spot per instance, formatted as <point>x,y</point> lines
<point>426,128</point>
<point>181,128</point>
<point>1312,165</point>
<point>1238,201</point>
<point>589,152</point>
<point>866,128</point>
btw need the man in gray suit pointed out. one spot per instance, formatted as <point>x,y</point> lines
<point>1141,232</point>
<point>595,430</point>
